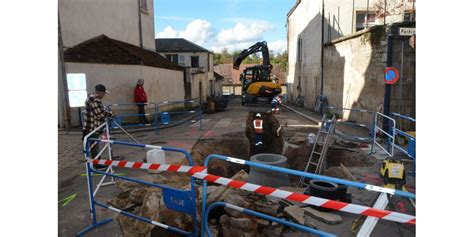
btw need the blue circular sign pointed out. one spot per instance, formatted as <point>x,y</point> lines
<point>391,75</point>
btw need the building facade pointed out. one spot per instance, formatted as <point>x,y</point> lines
<point>198,62</point>
<point>309,28</point>
<point>111,42</point>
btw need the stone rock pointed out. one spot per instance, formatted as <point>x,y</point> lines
<point>272,232</point>
<point>238,198</point>
<point>222,191</point>
<point>262,223</point>
<point>294,213</point>
<point>127,186</point>
<point>150,209</point>
<point>244,224</point>
<point>326,217</point>
<point>136,196</point>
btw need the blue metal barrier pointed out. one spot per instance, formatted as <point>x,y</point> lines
<point>369,127</point>
<point>119,118</point>
<point>166,115</point>
<point>175,199</point>
<point>410,151</point>
<point>260,215</point>
<point>368,187</point>
<point>390,134</point>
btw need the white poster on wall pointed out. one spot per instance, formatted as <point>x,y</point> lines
<point>77,89</point>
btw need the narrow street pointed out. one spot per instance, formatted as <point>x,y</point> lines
<point>221,132</point>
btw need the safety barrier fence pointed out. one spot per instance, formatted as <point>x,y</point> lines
<point>389,134</point>
<point>200,173</point>
<point>120,118</point>
<point>169,117</point>
<point>175,199</point>
<point>369,127</point>
<point>410,151</point>
<point>293,196</point>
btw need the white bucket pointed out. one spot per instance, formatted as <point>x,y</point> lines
<point>311,138</point>
<point>156,156</point>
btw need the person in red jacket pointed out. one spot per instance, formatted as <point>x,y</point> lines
<point>140,99</point>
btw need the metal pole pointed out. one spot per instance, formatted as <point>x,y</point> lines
<point>322,49</point>
<point>384,11</point>
<point>400,85</point>
<point>140,25</point>
<point>367,16</point>
<point>386,102</point>
<point>353,12</point>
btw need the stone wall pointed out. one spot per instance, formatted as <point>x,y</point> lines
<point>354,74</point>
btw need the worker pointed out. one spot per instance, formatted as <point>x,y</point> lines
<point>258,127</point>
<point>276,101</point>
<point>94,116</point>
<point>141,100</point>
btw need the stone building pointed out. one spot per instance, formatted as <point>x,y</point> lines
<point>344,48</point>
<point>112,42</point>
<point>198,62</point>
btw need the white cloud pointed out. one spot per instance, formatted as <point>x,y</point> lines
<point>168,32</point>
<point>243,32</point>
<point>232,47</point>
<point>197,31</point>
<point>277,47</point>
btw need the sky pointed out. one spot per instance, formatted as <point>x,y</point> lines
<point>219,24</point>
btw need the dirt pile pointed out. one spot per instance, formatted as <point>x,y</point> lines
<point>233,144</point>
<point>348,158</point>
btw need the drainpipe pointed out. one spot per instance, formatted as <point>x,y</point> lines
<point>66,108</point>
<point>140,25</point>
<point>322,50</point>
<point>388,87</point>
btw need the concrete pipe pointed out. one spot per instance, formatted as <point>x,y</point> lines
<point>266,177</point>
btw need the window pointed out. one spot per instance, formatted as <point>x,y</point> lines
<point>76,85</point>
<point>181,60</point>
<point>194,61</point>
<point>172,58</point>
<point>143,6</point>
<point>299,50</point>
<point>364,20</point>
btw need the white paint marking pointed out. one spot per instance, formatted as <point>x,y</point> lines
<point>235,160</point>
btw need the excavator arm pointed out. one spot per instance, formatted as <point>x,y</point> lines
<point>258,47</point>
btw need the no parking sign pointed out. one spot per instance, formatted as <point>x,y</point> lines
<point>391,75</point>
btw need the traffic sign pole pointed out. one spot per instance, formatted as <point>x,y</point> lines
<point>388,87</point>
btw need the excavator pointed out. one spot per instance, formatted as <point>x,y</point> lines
<point>257,85</point>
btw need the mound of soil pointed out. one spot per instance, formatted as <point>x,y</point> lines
<point>348,158</point>
<point>336,172</point>
<point>233,145</point>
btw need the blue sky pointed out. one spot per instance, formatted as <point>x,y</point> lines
<point>215,24</point>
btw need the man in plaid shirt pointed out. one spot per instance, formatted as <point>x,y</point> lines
<point>95,116</point>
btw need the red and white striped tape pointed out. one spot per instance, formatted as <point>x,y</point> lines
<point>150,166</point>
<point>200,172</point>
<point>315,201</point>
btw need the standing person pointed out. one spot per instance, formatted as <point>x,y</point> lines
<point>276,101</point>
<point>141,99</point>
<point>258,128</point>
<point>95,116</point>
